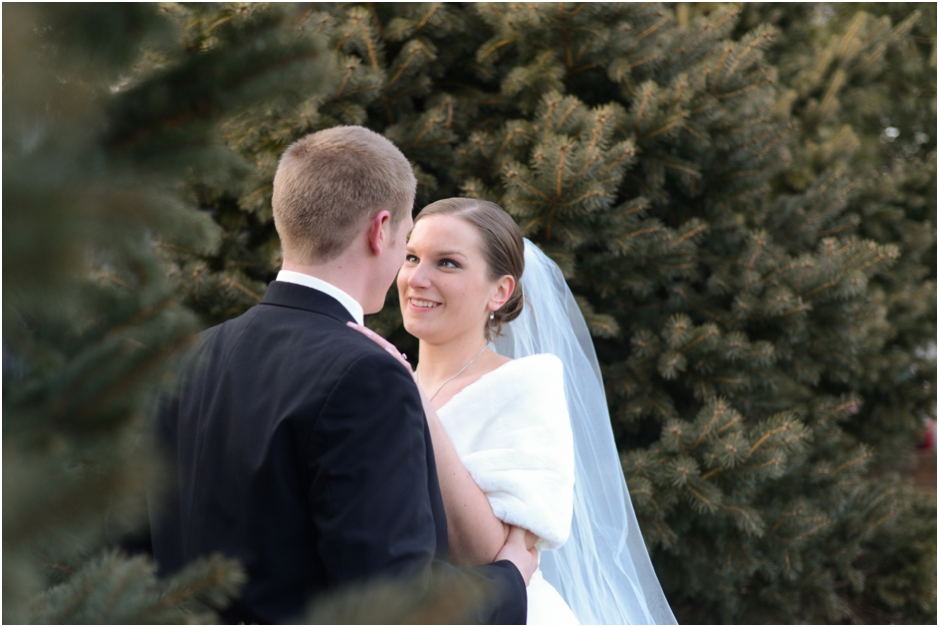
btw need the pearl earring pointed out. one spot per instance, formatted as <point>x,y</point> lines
<point>492,315</point>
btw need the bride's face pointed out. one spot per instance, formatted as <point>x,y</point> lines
<point>444,286</point>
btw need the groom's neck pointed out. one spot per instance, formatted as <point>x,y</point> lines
<point>344,272</point>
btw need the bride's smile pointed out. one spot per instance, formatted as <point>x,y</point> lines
<point>422,304</point>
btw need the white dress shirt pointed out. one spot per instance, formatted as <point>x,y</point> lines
<point>298,278</point>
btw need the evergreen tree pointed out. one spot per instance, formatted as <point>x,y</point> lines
<point>861,87</point>
<point>756,265</point>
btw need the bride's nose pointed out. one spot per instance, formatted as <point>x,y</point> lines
<point>418,278</point>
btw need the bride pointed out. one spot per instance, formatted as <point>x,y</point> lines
<point>515,404</point>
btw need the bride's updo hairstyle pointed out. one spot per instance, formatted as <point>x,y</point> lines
<point>502,247</point>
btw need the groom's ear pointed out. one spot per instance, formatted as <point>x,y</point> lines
<point>379,231</point>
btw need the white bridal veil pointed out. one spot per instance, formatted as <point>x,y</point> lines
<point>603,570</point>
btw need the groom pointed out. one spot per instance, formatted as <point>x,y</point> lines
<point>299,446</point>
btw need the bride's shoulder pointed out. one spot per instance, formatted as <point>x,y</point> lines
<point>540,361</point>
<point>537,371</point>
<point>535,386</point>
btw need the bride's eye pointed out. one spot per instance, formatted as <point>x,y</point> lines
<point>449,263</point>
<point>411,258</point>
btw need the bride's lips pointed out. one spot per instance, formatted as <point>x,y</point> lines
<point>422,304</point>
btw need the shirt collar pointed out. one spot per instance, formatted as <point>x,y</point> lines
<point>298,278</point>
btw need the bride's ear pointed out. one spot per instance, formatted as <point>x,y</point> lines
<point>505,287</point>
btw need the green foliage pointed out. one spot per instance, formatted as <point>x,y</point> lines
<point>897,563</point>
<point>860,81</point>
<point>420,600</point>
<point>113,589</point>
<point>742,198</point>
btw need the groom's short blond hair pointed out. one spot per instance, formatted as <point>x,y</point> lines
<point>328,184</point>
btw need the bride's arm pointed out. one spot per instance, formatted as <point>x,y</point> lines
<point>475,534</point>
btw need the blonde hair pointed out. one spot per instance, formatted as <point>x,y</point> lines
<point>502,246</point>
<point>329,183</point>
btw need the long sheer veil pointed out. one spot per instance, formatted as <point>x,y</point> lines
<point>603,570</point>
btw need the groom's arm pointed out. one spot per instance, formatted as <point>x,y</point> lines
<point>369,495</point>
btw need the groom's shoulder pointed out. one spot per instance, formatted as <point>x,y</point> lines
<point>285,330</point>
<point>219,333</point>
<point>362,352</point>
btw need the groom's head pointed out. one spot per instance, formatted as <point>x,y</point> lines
<point>330,184</point>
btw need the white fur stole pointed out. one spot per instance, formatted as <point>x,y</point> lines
<point>512,431</point>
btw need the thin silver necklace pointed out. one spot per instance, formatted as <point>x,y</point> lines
<point>460,372</point>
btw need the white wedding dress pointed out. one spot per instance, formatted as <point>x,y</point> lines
<point>513,434</point>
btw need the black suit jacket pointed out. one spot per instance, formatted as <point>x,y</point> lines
<point>300,447</point>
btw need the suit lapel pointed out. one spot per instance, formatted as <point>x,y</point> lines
<point>281,294</point>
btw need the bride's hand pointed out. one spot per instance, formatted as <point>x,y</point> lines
<point>388,346</point>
